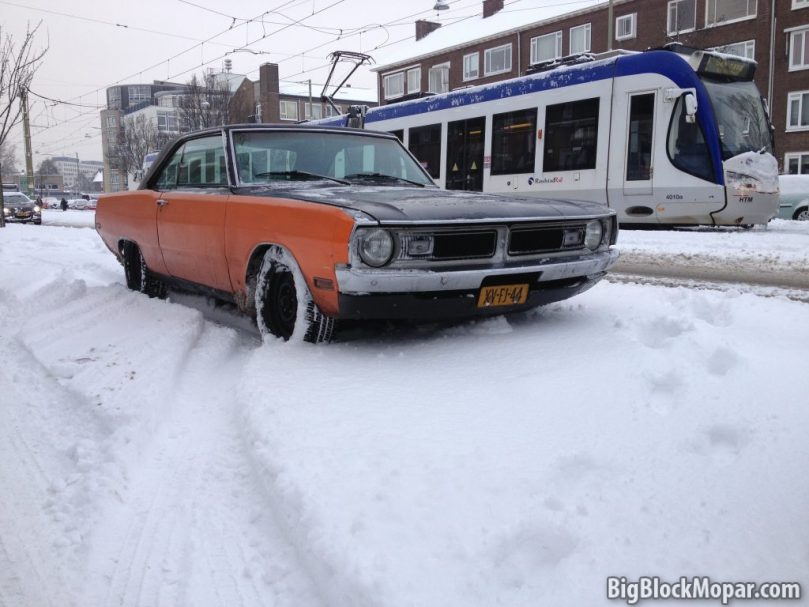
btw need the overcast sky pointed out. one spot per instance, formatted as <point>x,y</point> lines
<point>94,44</point>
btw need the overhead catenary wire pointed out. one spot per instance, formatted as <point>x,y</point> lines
<point>261,18</point>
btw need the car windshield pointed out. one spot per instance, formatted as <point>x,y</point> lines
<point>740,116</point>
<point>264,157</point>
<point>16,198</point>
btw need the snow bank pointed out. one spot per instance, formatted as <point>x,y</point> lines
<point>151,456</point>
<point>637,431</point>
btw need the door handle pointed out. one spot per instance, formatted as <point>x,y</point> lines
<point>162,202</point>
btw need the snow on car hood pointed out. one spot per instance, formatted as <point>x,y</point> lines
<point>404,204</point>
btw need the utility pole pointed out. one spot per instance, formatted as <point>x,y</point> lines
<point>26,132</point>
<point>610,25</point>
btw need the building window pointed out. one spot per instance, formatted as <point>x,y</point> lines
<point>312,111</point>
<point>257,115</point>
<point>414,80</point>
<point>438,77</point>
<point>114,98</point>
<point>682,17</point>
<point>112,122</point>
<point>393,85</point>
<point>799,50</point>
<point>139,94</point>
<point>719,12</point>
<point>425,145</point>
<point>571,136</point>
<point>797,163</point>
<point>798,111</point>
<point>546,48</point>
<point>497,60</point>
<point>580,39</point>
<point>167,122</point>
<point>799,4</point>
<point>470,66</point>
<point>625,27</point>
<point>514,142</point>
<point>289,110</point>
<point>330,111</point>
<point>746,49</point>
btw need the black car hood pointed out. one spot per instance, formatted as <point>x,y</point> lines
<point>393,205</point>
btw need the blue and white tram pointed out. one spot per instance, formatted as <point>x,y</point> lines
<point>678,137</point>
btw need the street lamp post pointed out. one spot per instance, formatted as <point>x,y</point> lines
<point>78,172</point>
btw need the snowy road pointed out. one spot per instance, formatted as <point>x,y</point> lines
<point>156,454</point>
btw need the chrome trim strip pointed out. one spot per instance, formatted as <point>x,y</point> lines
<point>361,281</point>
<point>493,220</point>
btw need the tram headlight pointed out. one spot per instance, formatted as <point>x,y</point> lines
<point>593,234</point>
<point>375,247</point>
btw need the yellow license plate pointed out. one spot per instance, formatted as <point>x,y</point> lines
<point>502,295</point>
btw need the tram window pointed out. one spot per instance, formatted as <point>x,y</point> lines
<point>514,142</point>
<point>639,149</point>
<point>571,136</point>
<point>425,145</point>
<point>399,134</point>
<point>686,145</point>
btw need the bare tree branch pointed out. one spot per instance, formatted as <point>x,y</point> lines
<point>17,69</point>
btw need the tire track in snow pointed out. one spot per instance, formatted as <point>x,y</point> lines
<point>194,527</point>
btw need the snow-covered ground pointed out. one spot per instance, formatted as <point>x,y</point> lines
<point>155,453</point>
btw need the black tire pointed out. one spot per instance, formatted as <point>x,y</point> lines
<point>277,306</point>
<point>801,215</point>
<point>138,276</point>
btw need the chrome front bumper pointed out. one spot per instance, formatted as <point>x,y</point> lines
<point>363,281</point>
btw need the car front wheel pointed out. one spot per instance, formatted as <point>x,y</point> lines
<point>802,214</point>
<point>284,305</point>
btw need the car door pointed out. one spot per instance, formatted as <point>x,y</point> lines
<point>191,214</point>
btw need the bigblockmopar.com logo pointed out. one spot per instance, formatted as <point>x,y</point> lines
<point>698,588</point>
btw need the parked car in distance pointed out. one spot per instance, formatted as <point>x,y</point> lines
<point>18,208</point>
<point>794,197</point>
<point>304,225</point>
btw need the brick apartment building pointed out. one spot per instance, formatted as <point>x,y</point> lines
<point>504,42</point>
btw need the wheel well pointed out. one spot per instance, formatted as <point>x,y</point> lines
<point>799,210</point>
<point>246,301</point>
<point>122,243</point>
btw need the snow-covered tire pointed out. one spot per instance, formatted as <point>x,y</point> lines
<point>802,214</point>
<point>138,276</point>
<point>284,305</point>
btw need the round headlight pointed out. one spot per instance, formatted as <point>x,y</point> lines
<point>376,247</point>
<point>37,208</point>
<point>593,234</point>
<point>6,211</point>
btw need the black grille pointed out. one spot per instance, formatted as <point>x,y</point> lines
<point>525,241</point>
<point>464,245</point>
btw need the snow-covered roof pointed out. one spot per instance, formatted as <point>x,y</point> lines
<point>462,33</point>
<point>347,93</point>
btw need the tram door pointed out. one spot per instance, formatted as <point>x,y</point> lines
<point>640,145</point>
<point>465,154</point>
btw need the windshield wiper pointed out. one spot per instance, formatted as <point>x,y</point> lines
<point>299,176</point>
<point>380,177</point>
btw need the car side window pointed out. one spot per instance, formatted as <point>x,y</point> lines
<point>202,164</point>
<point>168,176</point>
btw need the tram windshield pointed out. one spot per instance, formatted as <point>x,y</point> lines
<point>740,116</point>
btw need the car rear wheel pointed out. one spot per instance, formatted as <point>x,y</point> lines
<point>802,214</point>
<point>284,306</point>
<point>138,276</point>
